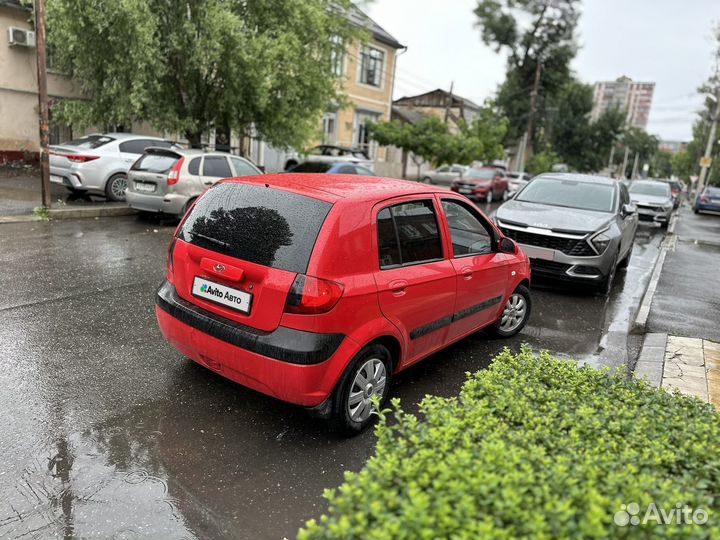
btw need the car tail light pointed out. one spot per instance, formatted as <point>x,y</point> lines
<point>310,295</point>
<point>704,200</point>
<point>174,174</point>
<point>169,263</point>
<point>76,158</point>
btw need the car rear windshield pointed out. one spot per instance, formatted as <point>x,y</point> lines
<point>155,163</point>
<point>650,188</point>
<point>712,192</point>
<point>570,194</point>
<point>90,142</point>
<point>257,224</point>
<point>482,174</point>
<point>312,167</point>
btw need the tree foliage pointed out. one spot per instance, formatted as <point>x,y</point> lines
<point>190,65</point>
<point>430,138</point>
<point>541,162</point>
<point>532,32</point>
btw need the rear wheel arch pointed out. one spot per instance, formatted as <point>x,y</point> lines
<point>392,344</point>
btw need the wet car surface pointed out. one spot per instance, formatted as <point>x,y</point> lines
<point>109,433</point>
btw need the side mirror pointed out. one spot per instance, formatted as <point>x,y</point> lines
<point>505,245</point>
<point>628,210</point>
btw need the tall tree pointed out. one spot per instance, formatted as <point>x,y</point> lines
<point>533,32</point>
<point>189,65</point>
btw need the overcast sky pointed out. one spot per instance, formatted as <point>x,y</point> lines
<point>665,41</point>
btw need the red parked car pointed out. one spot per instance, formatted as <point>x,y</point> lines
<point>483,183</point>
<point>316,289</point>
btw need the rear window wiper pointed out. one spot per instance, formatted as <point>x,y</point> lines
<point>211,239</point>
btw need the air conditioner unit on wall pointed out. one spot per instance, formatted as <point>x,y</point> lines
<point>19,37</point>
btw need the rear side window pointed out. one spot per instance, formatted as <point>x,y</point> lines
<point>90,142</point>
<point>216,166</point>
<point>408,233</point>
<point>155,163</point>
<point>194,166</point>
<point>257,224</point>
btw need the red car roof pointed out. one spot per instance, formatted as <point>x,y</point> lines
<point>332,187</point>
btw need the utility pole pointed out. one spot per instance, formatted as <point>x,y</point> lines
<point>710,143</point>
<point>448,102</point>
<point>527,138</point>
<point>633,174</point>
<point>43,102</point>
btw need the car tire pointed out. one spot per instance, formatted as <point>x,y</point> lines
<point>605,286</point>
<point>489,197</point>
<point>187,207</point>
<point>506,327</point>
<point>115,187</point>
<point>352,418</point>
<point>427,180</point>
<point>626,260</point>
<point>696,210</point>
<point>290,164</point>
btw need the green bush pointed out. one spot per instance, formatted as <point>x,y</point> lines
<point>535,447</point>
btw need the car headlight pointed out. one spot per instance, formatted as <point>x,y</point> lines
<point>667,206</point>
<point>600,242</point>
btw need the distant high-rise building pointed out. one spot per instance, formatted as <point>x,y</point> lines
<point>635,98</point>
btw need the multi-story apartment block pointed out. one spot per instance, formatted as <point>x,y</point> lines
<point>635,98</point>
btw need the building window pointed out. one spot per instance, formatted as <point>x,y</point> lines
<point>330,128</point>
<point>337,56</point>
<point>361,134</point>
<point>371,66</point>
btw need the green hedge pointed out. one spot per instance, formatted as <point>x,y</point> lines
<point>535,447</point>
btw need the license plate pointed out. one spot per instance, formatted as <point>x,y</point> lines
<point>55,178</point>
<point>465,190</point>
<point>538,253</point>
<point>220,294</point>
<point>142,186</point>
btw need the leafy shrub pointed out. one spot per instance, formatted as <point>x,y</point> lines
<point>535,447</point>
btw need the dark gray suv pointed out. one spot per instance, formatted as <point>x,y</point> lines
<point>572,226</point>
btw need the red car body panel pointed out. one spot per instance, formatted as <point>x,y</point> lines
<point>411,306</point>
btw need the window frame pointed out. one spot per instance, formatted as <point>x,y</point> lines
<point>492,233</point>
<point>366,56</point>
<point>388,204</point>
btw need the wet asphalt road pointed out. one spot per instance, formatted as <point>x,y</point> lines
<point>109,433</point>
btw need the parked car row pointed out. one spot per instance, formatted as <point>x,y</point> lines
<point>708,200</point>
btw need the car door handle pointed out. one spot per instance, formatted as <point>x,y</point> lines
<point>467,273</point>
<point>208,182</point>
<point>398,287</point>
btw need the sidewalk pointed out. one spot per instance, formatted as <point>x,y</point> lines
<point>681,349</point>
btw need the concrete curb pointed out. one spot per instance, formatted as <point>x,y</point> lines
<point>651,362</point>
<point>71,212</point>
<point>643,313</point>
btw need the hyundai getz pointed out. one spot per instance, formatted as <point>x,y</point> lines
<point>316,289</point>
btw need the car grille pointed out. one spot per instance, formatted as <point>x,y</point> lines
<point>542,266</point>
<point>569,246</point>
<point>649,207</point>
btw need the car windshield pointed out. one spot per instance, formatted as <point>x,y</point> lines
<point>570,194</point>
<point>480,174</point>
<point>311,167</point>
<point>90,142</point>
<point>649,188</point>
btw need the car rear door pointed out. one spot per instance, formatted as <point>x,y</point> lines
<point>416,283</point>
<point>214,169</point>
<point>481,271</point>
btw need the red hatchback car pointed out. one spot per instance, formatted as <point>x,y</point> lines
<point>316,289</point>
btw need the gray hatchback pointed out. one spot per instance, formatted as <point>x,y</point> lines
<point>169,181</point>
<point>572,226</point>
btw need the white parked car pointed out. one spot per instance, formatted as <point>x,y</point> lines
<point>328,153</point>
<point>99,163</point>
<point>517,181</point>
<point>446,174</point>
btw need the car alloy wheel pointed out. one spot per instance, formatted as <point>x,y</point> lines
<point>116,186</point>
<point>370,380</point>
<point>514,313</point>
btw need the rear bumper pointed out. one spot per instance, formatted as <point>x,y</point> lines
<point>656,216</point>
<point>707,207</point>
<point>293,365</point>
<point>167,204</point>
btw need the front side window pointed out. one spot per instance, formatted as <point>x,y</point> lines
<point>371,66</point>
<point>408,233</point>
<point>468,234</point>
